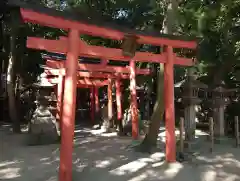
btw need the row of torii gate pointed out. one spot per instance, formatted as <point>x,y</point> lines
<point>69,71</point>
<point>93,79</point>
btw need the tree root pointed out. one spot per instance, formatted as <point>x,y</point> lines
<point>143,147</point>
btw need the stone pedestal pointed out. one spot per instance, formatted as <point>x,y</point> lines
<point>219,123</point>
<point>43,128</point>
<point>220,100</point>
<point>190,126</point>
<point>190,100</point>
<point>105,118</point>
<point>190,123</point>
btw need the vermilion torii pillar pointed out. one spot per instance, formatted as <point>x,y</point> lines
<point>96,98</point>
<point>134,112</point>
<point>69,105</point>
<point>60,89</point>
<point>92,103</point>
<point>169,106</point>
<point>118,99</point>
<point>110,103</point>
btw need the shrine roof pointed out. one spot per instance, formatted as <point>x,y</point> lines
<point>92,20</point>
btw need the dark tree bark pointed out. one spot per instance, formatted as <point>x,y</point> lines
<point>11,74</point>
<point>150,139</point>
<point>1,48</point>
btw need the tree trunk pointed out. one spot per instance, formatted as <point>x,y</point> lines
<point>1,52</point>
<point>12,108</point>
<point>150,139</point>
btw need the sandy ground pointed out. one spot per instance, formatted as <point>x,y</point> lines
<point>104,157</point>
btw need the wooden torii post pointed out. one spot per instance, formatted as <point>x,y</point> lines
<point>118,98</point>
<point>96,100</point>
<point>73,47</point>
<point>92,103</point>
<point>60,89</point>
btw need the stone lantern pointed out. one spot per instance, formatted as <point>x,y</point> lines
<point>43,126</point>
<point>44,87</point>
<point>220,99</point>
<point>191,100</point>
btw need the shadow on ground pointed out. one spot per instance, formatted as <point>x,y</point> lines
<point>105,157</point>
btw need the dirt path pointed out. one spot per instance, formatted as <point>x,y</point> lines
<point>105,158</point>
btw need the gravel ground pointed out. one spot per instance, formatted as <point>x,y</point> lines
<point>104,157</point>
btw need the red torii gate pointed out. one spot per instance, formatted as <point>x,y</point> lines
<point>73,47</point>
<point>117,73</point>
<point>95,67</point>
<point>85,83</point>
<point>61,46</point>
<point>94,89</point>
<point>99,75</point>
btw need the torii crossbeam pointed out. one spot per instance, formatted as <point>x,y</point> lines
<point>60,46</point>
<point>96,68</point>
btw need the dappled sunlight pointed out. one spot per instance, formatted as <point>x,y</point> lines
<point>199,133</point>
<point>97,157</point>
<point>173,169</point>
<point>98,132</point>
<point>125,165</point>
<point>104,163</point>
<point>21,162</point>
<point>146,175</point>
<point>157,156</point>
<point>44,159</point>
<point>158,164</point>
<point>109,134</point>
<point>208,175</point>
<point>220,160</point>
<point>140,177</point>
<point>81,167</point>
<point>86,140</point>
<point>162,134</point>
<point>9,173</point>
<point>224,166</point>
<point>136,165</point>
<point>9,169</point>
<point>129,168</point>
<point>104,148</point>
<point>9,163</point>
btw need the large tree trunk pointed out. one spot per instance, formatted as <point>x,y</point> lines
<point>1,49</point>
<point>158,112</point>
<point>150,139</point>
<point>11,78</point>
